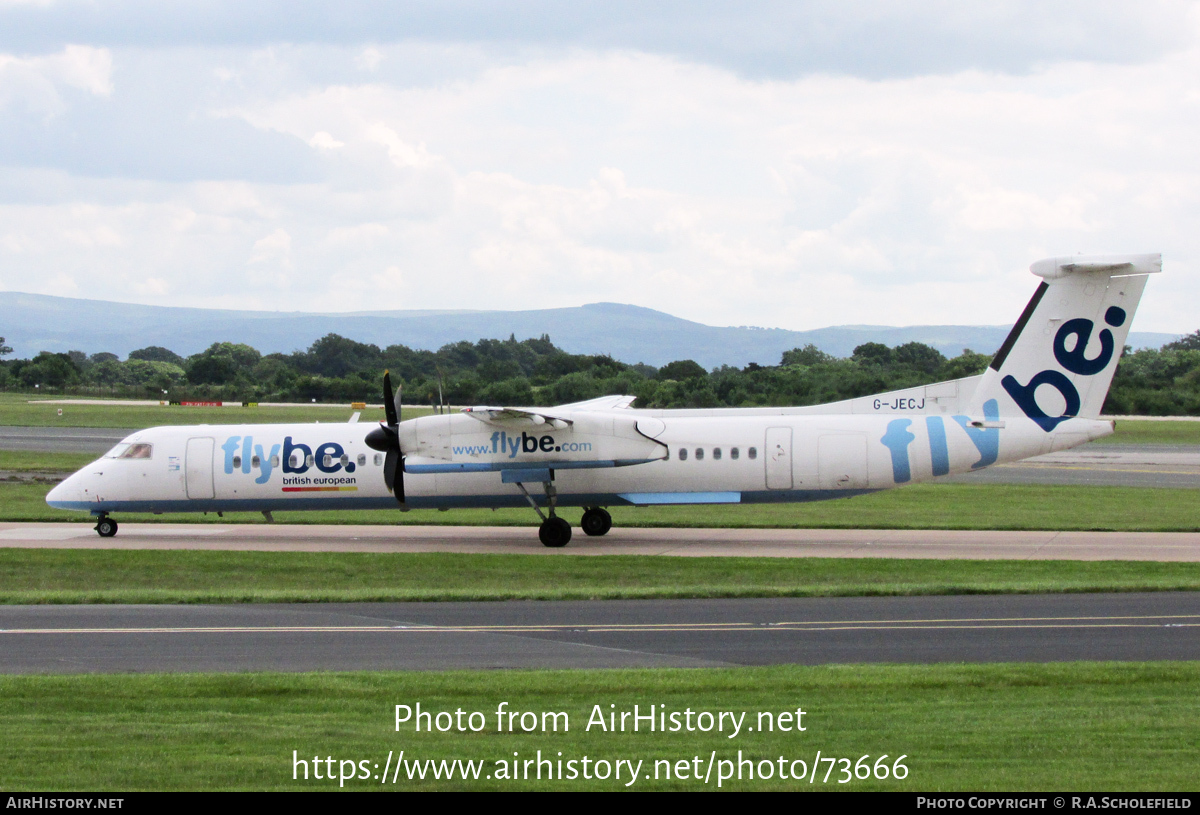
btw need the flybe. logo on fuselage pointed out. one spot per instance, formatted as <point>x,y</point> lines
<point>242,453</point>
<point>1075,360</point>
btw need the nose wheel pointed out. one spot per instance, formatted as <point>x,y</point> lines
<point>107,527</point>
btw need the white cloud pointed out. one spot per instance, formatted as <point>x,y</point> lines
<point>36,82</point>
<point>153,287</point>
<point>574,176</point>
<point>400,152</point>
<point>275,248</point>
<point>83,67</point>
<point>369,59</point>
<point>325,141</point>
<point>358,234</point>
<point>99,236</point>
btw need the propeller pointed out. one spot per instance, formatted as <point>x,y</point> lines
<point>386,439</point>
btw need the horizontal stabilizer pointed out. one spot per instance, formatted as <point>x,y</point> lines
<point>1053,268</point>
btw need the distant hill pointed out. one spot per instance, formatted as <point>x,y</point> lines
<point>36,322</point>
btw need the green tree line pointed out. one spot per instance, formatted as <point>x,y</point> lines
<point>1162,381</point>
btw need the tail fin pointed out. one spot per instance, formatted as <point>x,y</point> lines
<point>1055,364</point>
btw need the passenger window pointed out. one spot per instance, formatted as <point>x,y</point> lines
<point>752,453</point>
<point>326,460</point>
<point>274,461</point>
<point>733,453</point>
<point>294,461</point>
<point>309,460</point>
<point>378,459</point>
<point>683,454</point>
<point>362,459</point>
<point>255,461</point>
<point>699,454</point>
<point>716,454</point>
<point>237,462</point>
<point>344,460</point>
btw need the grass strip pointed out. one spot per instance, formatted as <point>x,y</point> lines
<point>20,410</point>
<point>52,576</point>
<point>1132,431</point>
<point>43,461</point>
<point>920,506</point>
<point>1003,727</point>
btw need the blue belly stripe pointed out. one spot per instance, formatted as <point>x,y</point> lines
<point>647,498</point>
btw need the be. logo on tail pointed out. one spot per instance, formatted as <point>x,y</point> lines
<point>1075,360</point>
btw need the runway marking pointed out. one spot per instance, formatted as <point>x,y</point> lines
<point>1144,621</point>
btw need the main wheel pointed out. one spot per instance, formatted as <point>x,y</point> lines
<point>107,527</point>
<point>596,522</point>
<point>555,532</point>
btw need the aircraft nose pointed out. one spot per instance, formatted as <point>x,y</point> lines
<point>56,494</point>
<point>64,492</point>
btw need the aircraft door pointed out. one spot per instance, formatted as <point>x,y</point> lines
<point>199,466</point>
<point>778,454</point>
<point>842,461</point>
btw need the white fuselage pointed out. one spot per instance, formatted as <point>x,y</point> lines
<point>601,458</point>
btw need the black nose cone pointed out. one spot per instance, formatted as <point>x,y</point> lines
<point>382,438</point>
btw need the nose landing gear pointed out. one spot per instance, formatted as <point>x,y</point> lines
<point>106,526</point>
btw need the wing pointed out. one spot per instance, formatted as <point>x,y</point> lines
<point>600,403</point>
<point>558,417</point>
<point>517,417</point>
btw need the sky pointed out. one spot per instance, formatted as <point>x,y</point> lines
<point>783,164</point>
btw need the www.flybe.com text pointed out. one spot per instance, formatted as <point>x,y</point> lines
<point>501,442</point>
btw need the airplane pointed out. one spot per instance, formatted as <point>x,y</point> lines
<point>1042,392</point>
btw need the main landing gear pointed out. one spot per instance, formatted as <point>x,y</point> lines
<point>595,522</point>
<point>106,526</point>
<point>555,532</point>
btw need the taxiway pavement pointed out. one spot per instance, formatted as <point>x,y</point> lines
<point>853,543</point>
<point>599,634</point>
<point>98,440</point>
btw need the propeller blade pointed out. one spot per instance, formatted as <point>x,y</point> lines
<point>389,469</point>
<point>393,473</point>
<point>389,400</point>
<point>386,439</point>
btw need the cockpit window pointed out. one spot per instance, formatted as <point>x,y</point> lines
<point>124,450</point>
